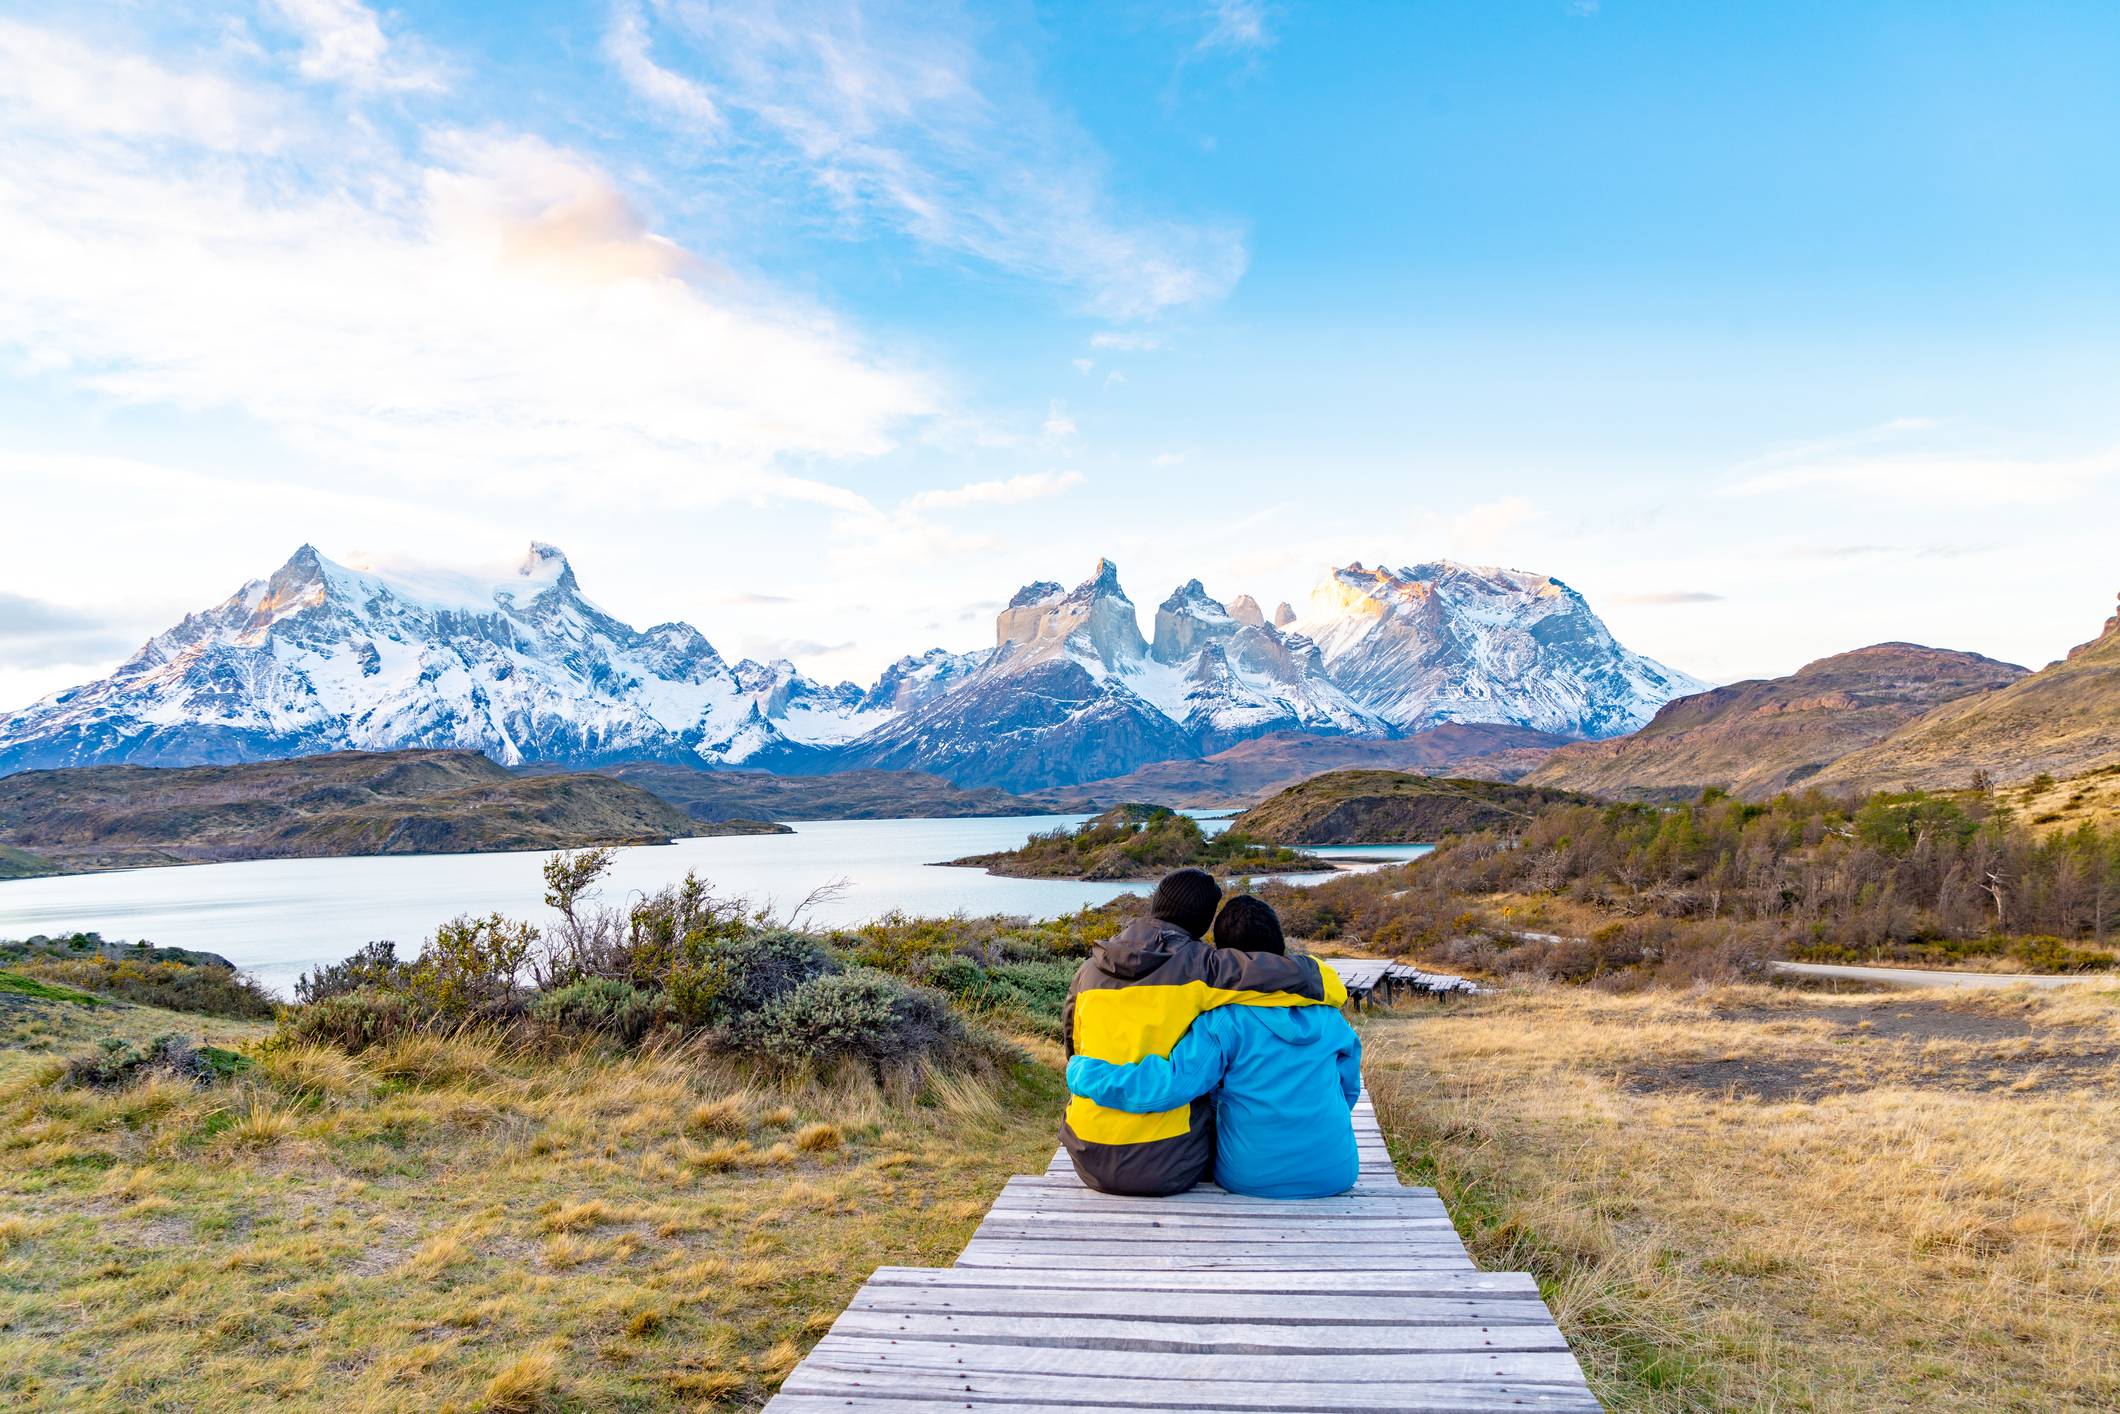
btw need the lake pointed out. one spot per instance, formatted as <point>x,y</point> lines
<point>279,917</point>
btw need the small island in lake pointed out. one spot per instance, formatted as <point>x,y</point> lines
<point>1129,842</point>
<point>1392,807</point>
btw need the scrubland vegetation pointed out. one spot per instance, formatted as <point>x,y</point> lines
<point>1754,1198</point>
<point>637,1161</point>
<point>1635,894</point>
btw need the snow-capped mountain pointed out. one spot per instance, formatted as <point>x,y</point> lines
<point>523,667</point>
<point>1072,691</point>
<point>320,657</point>
<point>1445,642</point>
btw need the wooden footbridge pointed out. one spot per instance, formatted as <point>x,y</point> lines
<point>1069,1299</point>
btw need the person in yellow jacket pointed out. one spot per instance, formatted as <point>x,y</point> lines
<point>1134,996</point>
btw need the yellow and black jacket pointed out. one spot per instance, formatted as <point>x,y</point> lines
<point>1133,997</point>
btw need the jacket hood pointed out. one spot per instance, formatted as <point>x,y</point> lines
<point>1294,1024</point>
<point>1141,947</point>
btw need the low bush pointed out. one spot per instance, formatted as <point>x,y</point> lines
<point>602,1006</point>
<point>354,1021</point>
<point>118,1063</point>
<point>859,1014</point>
<point>375,965</point>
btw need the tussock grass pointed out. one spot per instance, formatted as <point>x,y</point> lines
<point>445,1222</point>
<point>1748,1198</point>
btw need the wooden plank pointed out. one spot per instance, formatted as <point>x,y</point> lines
<point>1247,1306</point>
<point>1277,1235</point>
<point>1086,1376</point>
<point>978,1256</point>
<point>1047,1396</point>
<point>1299,1285</point>
<point>1200,1336</point>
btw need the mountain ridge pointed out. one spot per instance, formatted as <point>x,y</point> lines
<point>522,666</point>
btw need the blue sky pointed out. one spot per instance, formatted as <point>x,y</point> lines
<point>1776,329</point>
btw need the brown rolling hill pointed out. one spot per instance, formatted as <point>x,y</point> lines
<point>2063,720</point>
<point>89,818</point>
<point>840,795</point>
<point>1252,770</point>
<point>1390,807</point>
<point>1758,737</point>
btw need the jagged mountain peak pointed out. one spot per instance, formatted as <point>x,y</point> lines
<point>1245,610</point>
<point>1441,641</point>
<point>1284,614</point>
<point>1093,624</point>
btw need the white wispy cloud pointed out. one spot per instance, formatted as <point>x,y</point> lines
<point>1058,424</point>
<point>1240,25</point>
<point>1665,597</point>
<point>1033,486</point>
<point>1125,341</point>
<point>480,305</point>
<point>899,115</point>
<point>628,46</point>
<point>1935,478</point>
<point>343,42</point>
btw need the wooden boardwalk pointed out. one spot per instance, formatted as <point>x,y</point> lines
<point>1207,1301</point>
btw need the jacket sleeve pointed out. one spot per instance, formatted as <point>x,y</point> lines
<point>1232,970</point>
<point>1350,1059</point>
<point>1154,1084</point>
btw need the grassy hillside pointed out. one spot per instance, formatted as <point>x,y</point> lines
<point>2063,720</point>
<point>1139,842</point>
<point>445,1185</point>
<point>843,795</point>
<point>1755,738</point>
<point>1390,807</point>
<point>397,802</point>
<point>1751,1198</point>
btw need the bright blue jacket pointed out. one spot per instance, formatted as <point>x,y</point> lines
<point>1288,1079</point>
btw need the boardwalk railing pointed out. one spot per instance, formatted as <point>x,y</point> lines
<point>1207,1301</point>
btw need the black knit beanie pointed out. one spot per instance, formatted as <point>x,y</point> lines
<point>1187,898</point>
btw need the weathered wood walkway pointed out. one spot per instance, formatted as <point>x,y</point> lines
<point>1208,1301</point>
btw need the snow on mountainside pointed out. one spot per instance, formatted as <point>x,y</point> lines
<point>320,656</point>
<point>522,667</point>
<point>1444,642</point>
<point>1072,691</point>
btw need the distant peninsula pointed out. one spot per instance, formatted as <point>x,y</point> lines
<point>1132,842</point>
<point>90,818</point>
<point>1391,807</point>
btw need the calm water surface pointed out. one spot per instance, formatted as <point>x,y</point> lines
<point>278,917</point>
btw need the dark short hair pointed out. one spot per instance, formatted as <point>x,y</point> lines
<point>1249,924</point>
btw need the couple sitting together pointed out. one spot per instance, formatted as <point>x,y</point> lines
<point>1188,1060</point>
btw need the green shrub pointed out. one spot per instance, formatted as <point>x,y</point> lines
<point>118,1063</point>
<point>354,1021</point>
<point>861,1014</point>
<point>470,967</point>
<point>16,984</point>
<point>375,965</point>
<point>727,979</point>
<point>603,1006</point>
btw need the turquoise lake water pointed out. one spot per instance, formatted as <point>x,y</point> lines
<point>278,917</point>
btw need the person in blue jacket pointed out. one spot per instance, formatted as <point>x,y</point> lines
<point>1285,1080</point>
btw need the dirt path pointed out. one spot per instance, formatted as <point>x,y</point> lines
<point>1914,977</point>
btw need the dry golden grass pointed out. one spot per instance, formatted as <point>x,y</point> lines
<point>445,1224</point>
<point>1750,1198</point>
<point>2091,798</point>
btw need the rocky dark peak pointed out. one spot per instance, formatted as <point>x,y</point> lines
<point>2110,637</point>
<point>1245,610</point>
<point>1103,583</point>
<point>1284,615</point>
<point>1036,592</point>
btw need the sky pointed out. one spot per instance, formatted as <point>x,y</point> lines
<point>1776,330</point>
